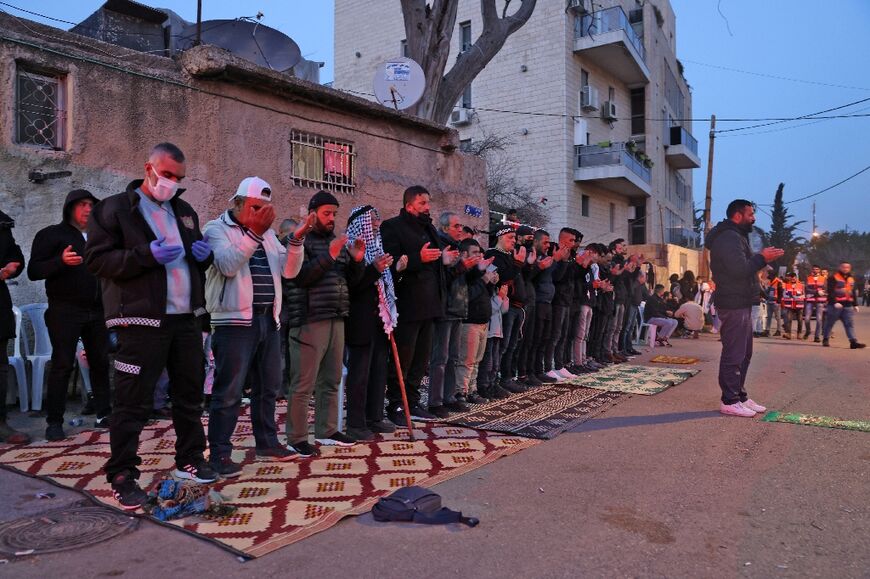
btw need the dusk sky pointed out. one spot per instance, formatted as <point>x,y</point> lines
<point>787,59</point>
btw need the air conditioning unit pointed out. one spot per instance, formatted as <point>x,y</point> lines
<point>579,6</point>
<point>589,98</point>
<point>608,111</point>
<point>460,116</point>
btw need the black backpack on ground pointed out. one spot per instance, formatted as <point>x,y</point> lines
<point>418,505</point>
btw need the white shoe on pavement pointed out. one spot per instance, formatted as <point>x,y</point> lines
<point>754,406</point>
<point>554,374</point>
<point>736,409</point>
<point>566,374</point>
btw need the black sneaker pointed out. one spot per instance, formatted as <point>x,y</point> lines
<point>127,492</point>
<point>456,406</point>
<point>856,345</point>
<point>817,339</point>
<point>499,393</point>
<point>825,343</point>
<point>439,411</point>
<point>382,426</point>
<point>532,381</point>
<point>337,438</point>
<point>276,454</point>
<point>225,467</point>
<point>513,386</point>
<point>546,379</point>
<point>304,449</point>
<point>102,422</point>
<point>475,398</point>
<point>199,472</point>
<point>360,434</point>
<point>54,432</point>
<point>420,413</point>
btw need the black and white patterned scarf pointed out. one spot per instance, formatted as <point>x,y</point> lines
<point>360,226</point>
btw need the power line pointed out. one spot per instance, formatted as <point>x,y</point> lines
<point>699,120</point>
<point>817,193</point>
<point>773,76</point>
<point>783,128</point>
<point>814,115</point>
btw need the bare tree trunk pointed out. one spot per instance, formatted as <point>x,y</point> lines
<point>428,30</point>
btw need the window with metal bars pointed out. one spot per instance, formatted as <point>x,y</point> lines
<point>40,109</point>
<point>322,163</point>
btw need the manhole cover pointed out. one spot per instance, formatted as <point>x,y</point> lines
<point>63,529</point>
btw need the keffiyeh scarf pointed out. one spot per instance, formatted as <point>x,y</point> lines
<point>360,226</point>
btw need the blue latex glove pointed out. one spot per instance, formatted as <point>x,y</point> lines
<point>201,249</point>
<point>165,253</point>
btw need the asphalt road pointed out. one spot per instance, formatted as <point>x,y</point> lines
<point>659,486</point>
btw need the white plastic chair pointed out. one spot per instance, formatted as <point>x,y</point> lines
<point>41,350</point>
<point>17,361</point>
<point>650,329</point>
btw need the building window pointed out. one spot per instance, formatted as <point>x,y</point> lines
<point>611,94</point>
<point>465,145</point>
<point>638,111</point>
<point>466,98</point>
<point>584,78</point>
<point>403,47</point>
<point>40,109</point>
<point>584,205</point>
<point>322,163</point>
<point>465,36</point>
<point>612,218</point>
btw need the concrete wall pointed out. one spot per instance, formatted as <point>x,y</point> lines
<point>228,129</point>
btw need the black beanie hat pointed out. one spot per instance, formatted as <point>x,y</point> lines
<point>322,198</point>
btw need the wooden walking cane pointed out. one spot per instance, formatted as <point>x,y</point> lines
<point>402,387</point>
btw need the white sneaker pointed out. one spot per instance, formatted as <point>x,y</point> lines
<point>566,374</point>
<point>736,409</point>
<point>754,406</point>
<point>555,375</point>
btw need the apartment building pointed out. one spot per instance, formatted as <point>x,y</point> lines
<point>609,145</point>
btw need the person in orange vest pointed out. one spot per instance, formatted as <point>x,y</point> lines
<point>842,304</point>
<point>774,295</point>
<point>792,303</point>
<point>817,297</point>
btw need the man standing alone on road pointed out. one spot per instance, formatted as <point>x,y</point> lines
<point>734,268</point>
<point>842,304</point>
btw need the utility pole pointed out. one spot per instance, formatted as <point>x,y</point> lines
<point>198,22</point>
<point>708,200</point>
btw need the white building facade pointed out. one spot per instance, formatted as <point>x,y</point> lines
<point>609,144</point>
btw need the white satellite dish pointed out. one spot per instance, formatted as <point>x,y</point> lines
<point>399,83</point>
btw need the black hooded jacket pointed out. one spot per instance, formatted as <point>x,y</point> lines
<point>65,284</point>
<point>734,267</point>
<point>9,252</point>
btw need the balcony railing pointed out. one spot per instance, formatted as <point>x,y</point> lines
<point>608,20</point>
<point>680,136</point>
<point>615,154</point>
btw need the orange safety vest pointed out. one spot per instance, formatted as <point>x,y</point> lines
<point>816,285</point>
<point>844,287</point>
<point>793,295</point>
<point>772,289</point>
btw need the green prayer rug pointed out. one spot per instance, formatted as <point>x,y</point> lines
<point>629,379</point>
<point>809,420</point>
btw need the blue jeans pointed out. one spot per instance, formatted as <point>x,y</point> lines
<point>445,351</point>
<point>628,332</point>
<point>820,317</point>
<point>238,350</point>
<point>833,313</point>
<point>511,325</point>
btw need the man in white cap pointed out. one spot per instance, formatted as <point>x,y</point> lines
<point>243,296</point>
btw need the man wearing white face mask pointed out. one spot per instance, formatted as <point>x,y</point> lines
<point>146,246</point>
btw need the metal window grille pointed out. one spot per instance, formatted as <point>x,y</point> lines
<point>322,163</point>
<point>40,110</point>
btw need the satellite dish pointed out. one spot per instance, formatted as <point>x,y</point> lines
<point>399,83</point>
<point>249,40</point>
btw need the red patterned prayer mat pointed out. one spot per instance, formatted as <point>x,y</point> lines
<point>279,502</point>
